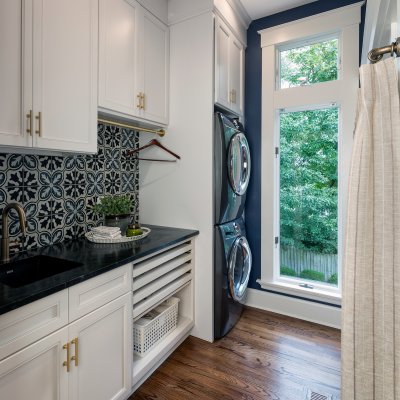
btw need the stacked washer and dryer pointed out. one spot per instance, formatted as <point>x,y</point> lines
<point>232,255</point>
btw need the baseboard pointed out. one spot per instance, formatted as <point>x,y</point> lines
<point>302,309</point>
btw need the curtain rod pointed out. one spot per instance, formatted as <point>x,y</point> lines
<point>376,55</point>
<point>159,132</point>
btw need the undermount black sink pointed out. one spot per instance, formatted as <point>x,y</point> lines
<point>23,272</point>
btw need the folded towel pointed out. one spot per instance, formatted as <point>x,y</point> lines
<point>105,236</point>
<point>117,236</point>
<point>107,230</point>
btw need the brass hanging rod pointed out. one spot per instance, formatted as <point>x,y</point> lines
<point>159,132</point>
<point>376,55</point>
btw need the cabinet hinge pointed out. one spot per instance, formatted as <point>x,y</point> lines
<point>276,240</point>
<point>276,151</point>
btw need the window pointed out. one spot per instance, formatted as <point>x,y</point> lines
<point>308,194</point>
<point>308,117</point>
<point>312,63</point>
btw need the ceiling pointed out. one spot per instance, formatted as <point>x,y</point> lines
<point>261,8</point>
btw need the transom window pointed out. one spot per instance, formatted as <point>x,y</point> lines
<point>314,62</point>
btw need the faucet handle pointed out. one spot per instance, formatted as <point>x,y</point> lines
<point>15,245</point>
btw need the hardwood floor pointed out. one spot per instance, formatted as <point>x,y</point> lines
<point>265,356</point>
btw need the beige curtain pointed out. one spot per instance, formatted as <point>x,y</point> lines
<point>371,290</point>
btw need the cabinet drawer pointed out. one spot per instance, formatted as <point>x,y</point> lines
<point>96,292</point>
<point>25,325</point>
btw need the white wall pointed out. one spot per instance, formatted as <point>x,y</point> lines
<point>180,194</point>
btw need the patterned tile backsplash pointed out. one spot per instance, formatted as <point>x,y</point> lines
<point>58,193</point>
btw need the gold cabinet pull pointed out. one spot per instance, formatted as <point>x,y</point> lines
<point>143,102</point>
<point>75,357</point>
<point>66,363</point>
<point>39,119</point>
<point>233,96</point>
<point>139,98</point>
<point>230,96</point>
<point>30,117</point>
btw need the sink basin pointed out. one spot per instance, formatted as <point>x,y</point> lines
<point>23,272</point>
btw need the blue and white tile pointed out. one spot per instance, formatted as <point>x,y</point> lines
<point>44,163</point>
<point>74,192</point>
<point>128,139</point>
<point>95,163</point>
<point>112,183</point>
<point>113,159</point>
<point>31,177</point>
<point>74,211</point>
<point>57,163</point>
<point>44,223</point>
<point>30,194</point>
<point>15,162</point>
<point>95,184</point>
<point>15,178</point>
<point>31,241</point>
<point>127,182</point>
<point>30,162</point>
<point>75,162</point>
<point>15,193</point>
<point>112,136</point>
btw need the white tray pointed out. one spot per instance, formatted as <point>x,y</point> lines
<point>123,239</point>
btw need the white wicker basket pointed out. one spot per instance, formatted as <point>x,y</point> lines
<point>148,332</point>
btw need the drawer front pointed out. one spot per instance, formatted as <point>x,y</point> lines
<point>25,325</point>
<point>96,292</point>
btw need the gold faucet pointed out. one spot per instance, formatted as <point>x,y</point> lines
<point>5,240</point>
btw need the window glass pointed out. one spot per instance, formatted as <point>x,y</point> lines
<point>306,65</point>
<point>308,194</point>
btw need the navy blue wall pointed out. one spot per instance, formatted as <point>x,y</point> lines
<point>253,114</point>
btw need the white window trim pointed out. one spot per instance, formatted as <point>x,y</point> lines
<point>345,22</point>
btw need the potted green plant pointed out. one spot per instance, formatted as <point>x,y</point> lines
<point>116,210</point>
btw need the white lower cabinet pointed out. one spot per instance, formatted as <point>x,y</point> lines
<point>90,359</point>
<point>104,350</point>
<point>36,372</point>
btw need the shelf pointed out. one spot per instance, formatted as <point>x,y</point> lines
<point>144,366</point>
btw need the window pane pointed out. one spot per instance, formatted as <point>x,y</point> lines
<point>309,194</point>
<point>309,64</point>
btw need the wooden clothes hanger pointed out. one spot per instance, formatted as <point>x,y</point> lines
<point>153,142</point>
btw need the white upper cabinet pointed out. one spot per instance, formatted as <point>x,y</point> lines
<point>133,62</point>
<point>118,55</point>
<point>12,63</point>
<point>52,94</point>
<point>229,68</point>
<point>65,74</point>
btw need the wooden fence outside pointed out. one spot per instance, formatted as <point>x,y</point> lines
<point>299,260</point>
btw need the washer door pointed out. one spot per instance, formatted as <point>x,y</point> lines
<point>239,164</point>
<point>239,267</point>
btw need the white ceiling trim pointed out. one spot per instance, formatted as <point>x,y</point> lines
<point>261,8</point>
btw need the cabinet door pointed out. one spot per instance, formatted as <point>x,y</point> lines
<point>236,64</point>
<point>118,56</point>
<point>222,79</point>
<point>65,74</point>
<point>15,65</point>
<point>37,371</point>
<point>155,56</point>
<point>104,352</point>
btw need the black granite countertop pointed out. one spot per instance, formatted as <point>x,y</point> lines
<point>95,258</point>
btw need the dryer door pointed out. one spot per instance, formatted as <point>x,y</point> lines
<point>239,267</point>
<point>239,164</point>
